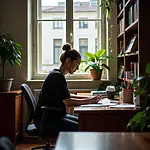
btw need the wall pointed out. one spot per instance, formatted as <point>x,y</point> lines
<point>13,19</point>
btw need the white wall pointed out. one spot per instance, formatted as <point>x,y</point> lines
<point>14,21</point>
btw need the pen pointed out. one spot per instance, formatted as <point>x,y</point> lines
<point>128,84</point>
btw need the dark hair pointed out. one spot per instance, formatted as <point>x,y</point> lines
<point>69,53</point>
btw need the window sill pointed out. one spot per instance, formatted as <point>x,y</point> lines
<point>78,83</point>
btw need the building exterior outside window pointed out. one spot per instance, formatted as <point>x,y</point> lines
<point>57,25</point>
<point>57,50</point>
<point>75,23</point>
<point>83,47</point>
<point>83,24</point>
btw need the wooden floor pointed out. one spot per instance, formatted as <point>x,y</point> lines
<point>28,143</point>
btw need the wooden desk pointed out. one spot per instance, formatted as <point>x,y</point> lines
<point>11,114</point>
<point>104,119</point>
<point>102,141</point>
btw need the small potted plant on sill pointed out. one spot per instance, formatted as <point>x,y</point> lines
<point>96,63</point>
<point>10,52</point>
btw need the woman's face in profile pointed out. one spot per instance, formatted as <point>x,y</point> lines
<point>73,66</point>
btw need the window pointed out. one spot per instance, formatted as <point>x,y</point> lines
<point>96,45</point>
<point>83,24</point>
<point>57,25</point>
<point>76,23</point>
<point>93,2</point>
<point>57,50</point>
<point>83,47</point>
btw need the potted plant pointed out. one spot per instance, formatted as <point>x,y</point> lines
<point>96,63</point>
<point>141,120</point>
<point>10,52</point>
<point>107,6</point>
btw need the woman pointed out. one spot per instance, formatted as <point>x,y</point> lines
<point>55,94</point>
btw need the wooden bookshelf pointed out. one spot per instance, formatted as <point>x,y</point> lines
<point>132,21</point>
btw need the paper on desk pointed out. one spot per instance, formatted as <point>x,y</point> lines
<point>123,106</point>
<point>99,105</point>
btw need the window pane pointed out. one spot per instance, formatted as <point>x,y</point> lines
<point>83,24</point>
<point>85,40</point>
<point>88,7</point>
<point>47,9</point>
<point>57,50</point>
<point>49,42</point>
<point>57,25</point>
<point>90,33</point>
<point>83,47</point>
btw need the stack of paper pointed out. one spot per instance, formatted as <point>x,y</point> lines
<point>123,106</point>
<point>99,105</point>
<point>102,103</point>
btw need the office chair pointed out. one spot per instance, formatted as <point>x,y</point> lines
<point>30,128</point>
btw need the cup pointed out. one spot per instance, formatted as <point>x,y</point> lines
<point>120,96</point>
<point>127,95</point>
<point>110,90</point>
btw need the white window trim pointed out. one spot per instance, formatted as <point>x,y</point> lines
<point>69,38</point>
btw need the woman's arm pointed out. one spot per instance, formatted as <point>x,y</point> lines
<point>79,96</point>
<point>78,101</point>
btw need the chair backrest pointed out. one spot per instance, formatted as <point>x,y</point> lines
<point>30,100</point>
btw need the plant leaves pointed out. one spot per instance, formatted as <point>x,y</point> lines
<point>105,66</point>
<point>148,68</point>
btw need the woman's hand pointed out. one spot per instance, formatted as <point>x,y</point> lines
<point>95,99</point>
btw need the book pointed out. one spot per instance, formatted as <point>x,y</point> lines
<point>103,92</point>
<point>121,72</point>
<point>131,45</point>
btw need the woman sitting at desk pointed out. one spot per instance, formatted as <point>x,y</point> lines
<point>55,93</point>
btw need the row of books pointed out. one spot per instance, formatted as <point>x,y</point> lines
<point>131,74</point>
<point>132,13</point>
<point>121,26</point>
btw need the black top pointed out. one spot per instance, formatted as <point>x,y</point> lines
<point>52,94</point>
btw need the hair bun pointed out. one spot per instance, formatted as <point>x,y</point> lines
<point>66,47</point>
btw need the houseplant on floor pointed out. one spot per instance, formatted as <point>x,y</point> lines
<point>141,120</point>
<point>96,63</point>
<point>10,52</point>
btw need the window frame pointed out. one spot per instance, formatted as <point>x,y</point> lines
<point>35,74</point>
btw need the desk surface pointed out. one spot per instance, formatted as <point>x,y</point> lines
<point>103,141</point>
<point>98,109</point>
<point>104,119</point>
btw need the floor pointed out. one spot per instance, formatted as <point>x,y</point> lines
<point>28,143</point>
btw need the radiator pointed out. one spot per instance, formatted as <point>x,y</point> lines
<point>36,93</point>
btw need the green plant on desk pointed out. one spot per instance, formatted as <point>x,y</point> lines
<point>141,121</point>
<point>96,63</point>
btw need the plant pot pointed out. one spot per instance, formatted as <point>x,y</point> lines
<point>5,84</point>
<point>127,95</point>
<point>96,75</point>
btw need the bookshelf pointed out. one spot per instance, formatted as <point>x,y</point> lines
<point>133,37</point>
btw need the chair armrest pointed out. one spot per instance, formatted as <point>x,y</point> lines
<point>47,108</point>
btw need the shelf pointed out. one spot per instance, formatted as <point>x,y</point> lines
<point>129,3</point>
<point>120,15</point>
<point>132,54</point>
<point>120,36</point>
<point>128,54</point>
<point>120,56</point>
<point>132,26</point>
